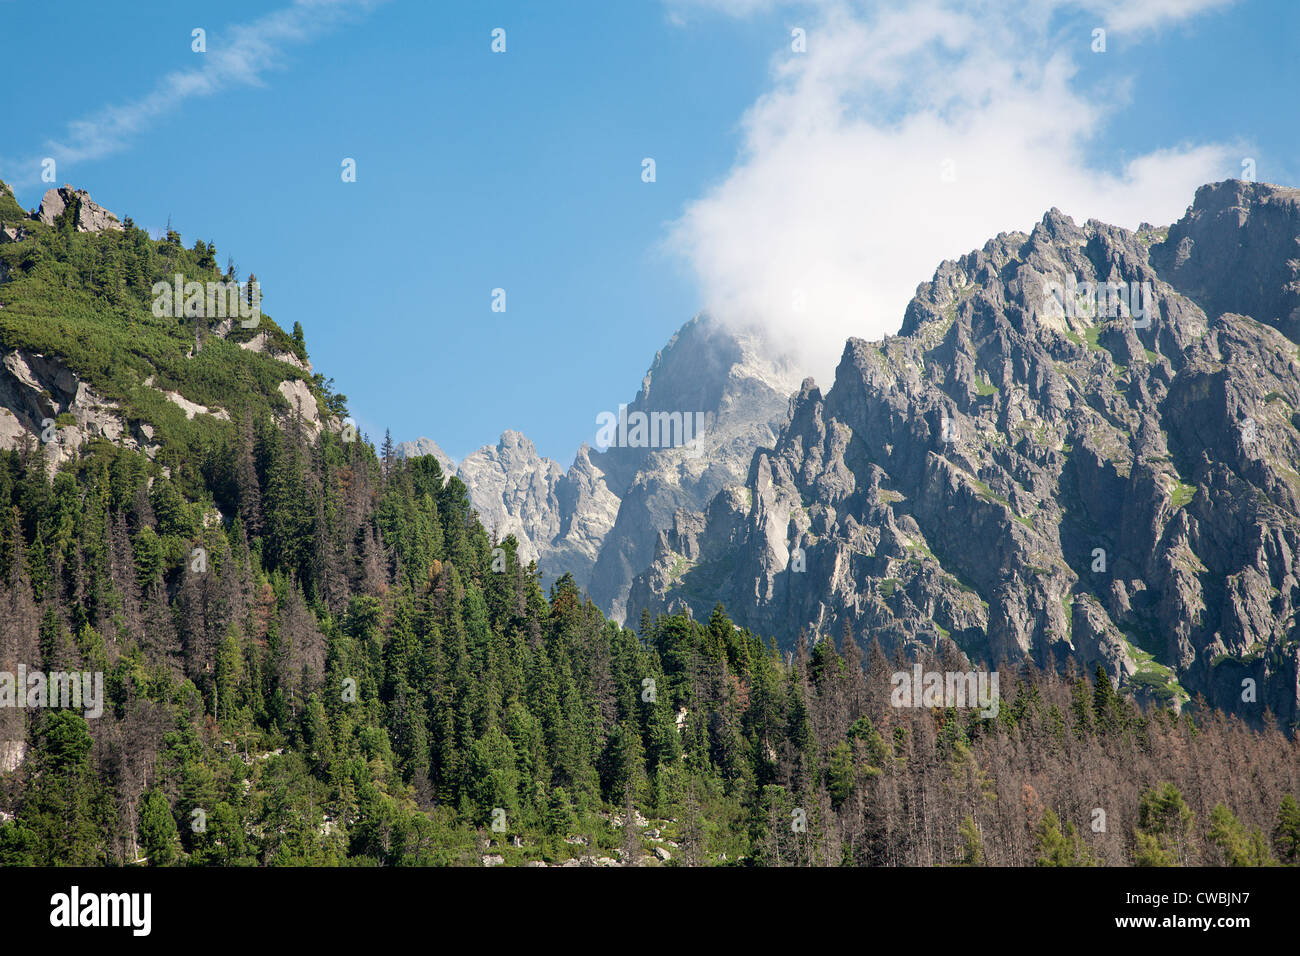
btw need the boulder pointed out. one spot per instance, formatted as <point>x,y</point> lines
<point>92,217</point>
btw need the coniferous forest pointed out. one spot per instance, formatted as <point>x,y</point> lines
<point>357,674</point>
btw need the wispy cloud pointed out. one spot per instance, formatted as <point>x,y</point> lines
<point>906,136</point>
<point>1117,14</point>
<point>238,56</point>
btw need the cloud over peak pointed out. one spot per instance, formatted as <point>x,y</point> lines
<point>904,137</point>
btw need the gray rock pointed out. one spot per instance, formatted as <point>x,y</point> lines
<point>1011,482</point>
<point>91,218</point>
<point>301,400</point>
<point>261,343</point>
<point>35,390</point>
<point>425,446</point>
<point>600,519</point>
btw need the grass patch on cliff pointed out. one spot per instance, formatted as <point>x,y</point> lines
<point>1157,678</point>
<point>1182,494</point>
<point>1089,338</point>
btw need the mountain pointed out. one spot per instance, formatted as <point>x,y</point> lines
<point>598,521</point>
<point>740,388</point>
<point>1022,481</point>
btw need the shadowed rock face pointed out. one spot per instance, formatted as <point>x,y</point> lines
<point>1236,250</point>
<point>1025,483</point>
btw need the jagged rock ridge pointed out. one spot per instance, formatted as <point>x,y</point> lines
<point>599,519</point>
<point>1019,482</point>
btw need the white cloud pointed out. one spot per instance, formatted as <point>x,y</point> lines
<point>839,197</point>
<point>1116,14</point>
<point>239,56</point>
<point>1144,14</point>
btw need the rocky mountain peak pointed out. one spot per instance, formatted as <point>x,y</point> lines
<point>599,519</point>
<point>1235,251</point>
<point>425,446</point>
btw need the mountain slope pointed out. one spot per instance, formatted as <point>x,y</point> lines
<point>88,354</point>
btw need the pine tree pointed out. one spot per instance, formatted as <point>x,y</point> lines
<point>972,844</point>
<point>1286,834</point>
<point>1165,828</point>
<point>1059,849</point>
<point>159,840</point>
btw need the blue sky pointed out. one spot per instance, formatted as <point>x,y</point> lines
<point>522,170</point>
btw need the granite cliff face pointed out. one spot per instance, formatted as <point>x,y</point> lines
<point>559,518</point>
<point>43,402</point>
<point>1021,476</point>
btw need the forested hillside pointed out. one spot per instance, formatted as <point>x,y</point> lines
<point>314,654</point>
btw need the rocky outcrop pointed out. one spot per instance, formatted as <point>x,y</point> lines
<point>194,408</point>
<point>261,342</point>
<point>43,402</point>
<point>91,217</point>
<point>1236,251</point>
<point>1014,477</point>
<point>303,403</point>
